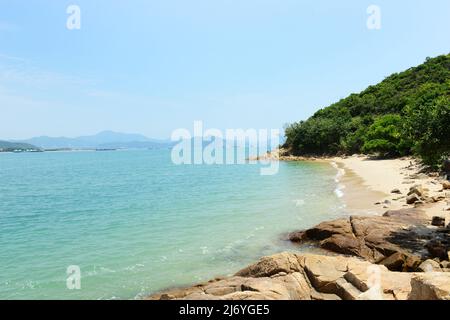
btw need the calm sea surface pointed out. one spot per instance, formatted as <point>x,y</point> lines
<point>135,223</point>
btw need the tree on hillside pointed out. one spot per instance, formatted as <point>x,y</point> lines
<point>408,112</point>
<point>428,122</point>
<point>385,138</point>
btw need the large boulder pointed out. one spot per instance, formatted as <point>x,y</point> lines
<point>430,286</point>
<point>396,239</point>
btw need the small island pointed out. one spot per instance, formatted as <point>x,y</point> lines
<point>17,147</point>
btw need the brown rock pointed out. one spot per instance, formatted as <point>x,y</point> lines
<point>381,237</point>
<point>377,238</point>
<point>437,249</point>
<point>322,277</point>
<point>343,244</point>
<point>327,229</point>
<point>410,215</point>
<point>347,290</point>
<point>394,262</point>
<point>396,191</point>
<point>269,266</point>
<point>298,236</point>
<point>438,221</point>
<point>413,198</point>
<point>401,262</point>
<point>412,263</point>
<point>418,204</point>
<point>417,189</point>
<point>378,283</point>
<point>324,296</point>
<point>430,286</point>
<point>433,174</point>
<point>446,185</point>
<point>435,199</point>
<point>429,266</point>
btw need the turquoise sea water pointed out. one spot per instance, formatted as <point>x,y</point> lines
<point>135,223</point>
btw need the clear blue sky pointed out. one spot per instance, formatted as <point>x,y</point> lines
<point>153,66</point>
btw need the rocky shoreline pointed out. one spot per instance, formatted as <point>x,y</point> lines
<point>401,240</point>
<point>290,276</point>
<point>402,254</point>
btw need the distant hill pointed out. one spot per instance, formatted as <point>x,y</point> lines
<point>104,139</point>
<point>6,146</point>
<point>110,140</point>
<point>407,113</point>
<point>136,145</point>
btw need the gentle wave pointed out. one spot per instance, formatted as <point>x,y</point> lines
<point>339,191</point>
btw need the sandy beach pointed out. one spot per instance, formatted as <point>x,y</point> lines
<point>369,184</point>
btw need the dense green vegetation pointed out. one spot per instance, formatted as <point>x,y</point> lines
<point>407,113</point>
<point>6,146</point>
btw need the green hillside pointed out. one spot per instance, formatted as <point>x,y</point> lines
<point>407,113</point>
<point>6,146</point>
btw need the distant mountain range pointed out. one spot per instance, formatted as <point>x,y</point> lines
<point>102,140</point>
